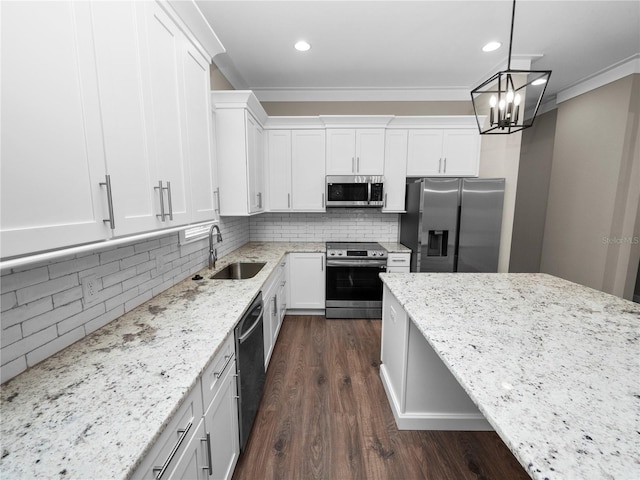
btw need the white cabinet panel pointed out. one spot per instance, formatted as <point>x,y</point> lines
<point>199,135</point>
<point>255,159</point>
<point>125,111</point>
<point>341,151</point>
<point>395,170</point>
<point>461,150</point>
<point>221,422</point>
<point>306,281</point>
<point>308,170</point>
<point>164,48</point>
<point>370,151</point>
<point>279,161</point>
<point>395,337</point>
<point>443,152</point>
<point>355,152</point>
<point>52,152</point>
<point>424,152</point>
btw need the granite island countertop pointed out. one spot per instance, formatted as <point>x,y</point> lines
<point>94,409</point>
<point>553,366</point>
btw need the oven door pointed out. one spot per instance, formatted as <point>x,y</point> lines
<point>354,288</point>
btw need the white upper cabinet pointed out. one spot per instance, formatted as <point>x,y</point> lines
<point>199,133</point>
<point>443,152</point>
<point>355,151</point>
<point>124,103</point>
<point>296,160</point>
<point>395,170</point>
<point>119,129</point>
<point>52,151</point>
<point>279,168</point>
<point>240,151</point>
<point>308,170</point>
<point>165,51</point>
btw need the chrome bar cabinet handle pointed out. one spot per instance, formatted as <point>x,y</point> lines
<point>160,189</point>
<point>111,220</point>
<point>288,200</point>
<point>168,189</point>
<point>208,468</point>
<point>217,193</point>
<point>176,447</point>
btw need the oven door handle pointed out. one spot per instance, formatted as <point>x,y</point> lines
<point>356,263</point>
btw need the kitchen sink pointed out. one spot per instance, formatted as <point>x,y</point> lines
<point>239,271</point>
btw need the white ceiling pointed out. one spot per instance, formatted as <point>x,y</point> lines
<point>421,49</point>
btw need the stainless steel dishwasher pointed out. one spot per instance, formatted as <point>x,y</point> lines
<point>250,366</point>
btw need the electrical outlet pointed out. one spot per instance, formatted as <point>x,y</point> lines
<point>90,289</point>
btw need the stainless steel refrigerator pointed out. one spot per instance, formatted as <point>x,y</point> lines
<point>453,224</point>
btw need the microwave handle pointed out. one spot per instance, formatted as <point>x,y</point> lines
<point>368,192</point>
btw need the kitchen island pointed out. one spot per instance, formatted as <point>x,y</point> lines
<point>553,366</point>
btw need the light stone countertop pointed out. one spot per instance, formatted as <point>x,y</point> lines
<point>394,247</point>
<point>553,366</point>
<point>93,410</point>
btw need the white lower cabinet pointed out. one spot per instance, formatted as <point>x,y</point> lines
<point>275,305</point>
<point>422,392</point>
<point>202,440</point>
<point>221,424</point>
<point>306,281</point>
<point>172,444</point>
<point>398,262</point>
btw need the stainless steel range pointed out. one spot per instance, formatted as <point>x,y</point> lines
<point>353,286</point>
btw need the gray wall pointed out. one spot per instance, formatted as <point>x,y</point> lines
<point>367,108</point>
<point>591,234</point>
<point>536,155</point>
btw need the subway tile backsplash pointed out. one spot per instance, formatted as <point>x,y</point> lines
<point>43,310</point>
<point>334,225</point>
<point>42,305</point>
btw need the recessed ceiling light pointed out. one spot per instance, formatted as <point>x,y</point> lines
<point>302,46</point>
<point>539,81</point>
<point>491,46</point>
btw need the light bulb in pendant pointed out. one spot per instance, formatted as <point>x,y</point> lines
<point>510,96</point>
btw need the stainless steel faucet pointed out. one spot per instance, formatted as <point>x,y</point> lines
<point>213,253</point>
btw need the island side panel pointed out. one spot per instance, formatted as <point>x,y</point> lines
<point>422,392</point>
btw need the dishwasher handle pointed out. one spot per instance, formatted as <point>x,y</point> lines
<point>255,325</point>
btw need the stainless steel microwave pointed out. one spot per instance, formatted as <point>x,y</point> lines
<point>355,191</point>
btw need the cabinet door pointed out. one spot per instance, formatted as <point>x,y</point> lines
<point>370,151</point>
<point>192,464</point>
<point>198,134</point>
<point>394,345</point>
<point>395,170</point>
<point>461,152</point>
<point>341,151</point>
<point>306,280</point>
<point>124,103</point>
<point>269,320</point>
<point>255,167</point>
<point>164,49</point>
<point>279,160</point>
<point>424,157</point>
<point>308,170</point>
<point>52,151</point>
<point>221,422</point>
<point>282,307</point>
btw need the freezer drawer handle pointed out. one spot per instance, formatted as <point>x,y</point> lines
<point>176,447</point>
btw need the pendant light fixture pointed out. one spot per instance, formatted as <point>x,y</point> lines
<point>508,101</point>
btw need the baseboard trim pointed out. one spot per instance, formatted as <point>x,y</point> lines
<point>305,311</point>
<point>431,420</point>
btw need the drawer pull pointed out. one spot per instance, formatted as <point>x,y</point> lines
<point>398,260</point>
<point>219,374</point>
<point>176,447</point>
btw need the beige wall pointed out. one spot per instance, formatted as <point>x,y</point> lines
<point>367,108</point>
<point>500,157</point>
<point>218,80</point>
<point>536,154</point>
<point>591,222</point>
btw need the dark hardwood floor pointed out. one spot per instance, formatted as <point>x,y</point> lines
<point>324,415</point>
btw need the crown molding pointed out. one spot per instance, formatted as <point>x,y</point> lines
<point>619,70</point>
